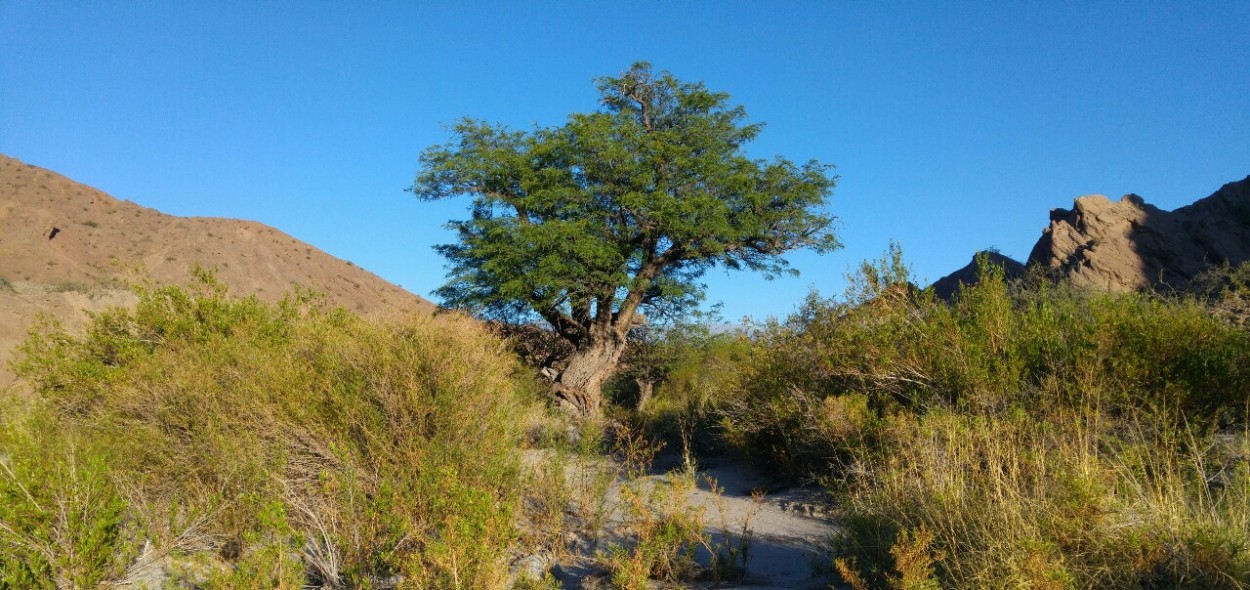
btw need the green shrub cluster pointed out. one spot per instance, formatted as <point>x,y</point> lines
<point>274,445</point>
<point>694,371</point>
<point>824,378</point>
<point>1025,434</point>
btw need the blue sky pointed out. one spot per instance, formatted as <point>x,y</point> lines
<point>955,126</point>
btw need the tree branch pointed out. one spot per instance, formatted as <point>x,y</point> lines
<point>581,309</point>
<point>650,268</point>
<point>565,326</point>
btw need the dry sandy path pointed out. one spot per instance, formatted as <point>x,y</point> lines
<point>788,526</point>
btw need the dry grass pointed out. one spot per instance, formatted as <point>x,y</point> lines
<point>1025,435</point>
<point>294,443</point>
<point>1050,502</point>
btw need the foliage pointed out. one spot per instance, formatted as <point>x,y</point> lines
<point>62,521</point>
<point>1025,434</point>
<point>666,536</point>
<point>616,213</point>
<point>695,371</point>
<point>1051,502</point>
<point>825,377</point>
<point>351,451</point>
<point>664,533</point>
<point>1227,288</point>
<point>620,207</point>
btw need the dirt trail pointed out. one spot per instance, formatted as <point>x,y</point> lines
<point>788,526</point>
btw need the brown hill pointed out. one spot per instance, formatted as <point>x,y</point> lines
<point>947,286</point>
<point>1130,244</point>
<point>66,248</point>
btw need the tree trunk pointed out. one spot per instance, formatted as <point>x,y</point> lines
<point>579,386</point>
<point>646,387</point>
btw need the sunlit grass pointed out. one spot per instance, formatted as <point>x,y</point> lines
<point>286,444</point>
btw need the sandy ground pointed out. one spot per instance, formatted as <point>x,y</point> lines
<point>788,526</point>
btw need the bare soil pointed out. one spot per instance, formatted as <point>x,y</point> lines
<point>789,528</point>
<point>67,249</point>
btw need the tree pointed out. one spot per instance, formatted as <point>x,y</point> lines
<point>617,212</point>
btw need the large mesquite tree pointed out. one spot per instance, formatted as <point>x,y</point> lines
<point>615,212</point>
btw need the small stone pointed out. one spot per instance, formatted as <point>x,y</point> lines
<point>533,567</point>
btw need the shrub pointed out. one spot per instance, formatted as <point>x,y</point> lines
<point>892,348</point>
<point>1227,289</point>
<point>361,450</point>
<point>1024,434</point>
<point>62,519</point>
<point>1049,502</point>
<point>699,372</point>
<point>663,535</point>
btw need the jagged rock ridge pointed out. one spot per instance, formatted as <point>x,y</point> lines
<point>1129,245</point>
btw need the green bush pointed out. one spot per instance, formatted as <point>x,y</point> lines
<point>997,346</point>
<point>700,372</point>
<point>1025,434</point>
<point>663,535</point>
<point>62,519</point>
<point>359,450</point>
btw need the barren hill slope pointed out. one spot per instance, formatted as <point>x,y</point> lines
<point>66,247</point>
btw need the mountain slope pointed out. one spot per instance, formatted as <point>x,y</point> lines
<point>947,286</point>
<point>66,247</point>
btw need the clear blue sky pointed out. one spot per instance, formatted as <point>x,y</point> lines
<point>955,126</point>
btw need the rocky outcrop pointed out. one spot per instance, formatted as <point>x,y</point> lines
<point>1129,244</point>
<point>947,286</point>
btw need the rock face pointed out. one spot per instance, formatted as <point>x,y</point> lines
<point>947,286</point>
<point>1128,244</point>
<point>67,248</point>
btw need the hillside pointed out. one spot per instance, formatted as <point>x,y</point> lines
<point>1129,245</point>
<point>66,248</point>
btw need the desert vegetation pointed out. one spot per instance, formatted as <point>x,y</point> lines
<point>1027,434</point>
<point>204,441</point>
<point>1022,432</point>
<point>615,214</point>
<point>241,444</point>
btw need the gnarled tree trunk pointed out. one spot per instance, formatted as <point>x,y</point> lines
<point>579,387</point>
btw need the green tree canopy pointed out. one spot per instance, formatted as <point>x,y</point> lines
<point>619,209</point>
